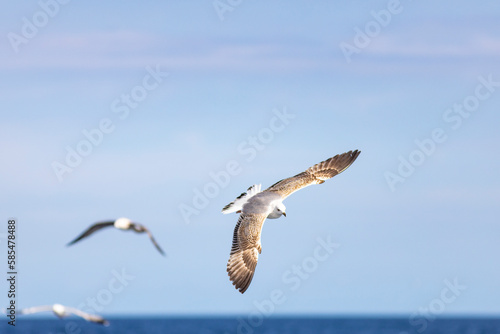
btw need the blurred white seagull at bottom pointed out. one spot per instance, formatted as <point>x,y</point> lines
<point>63,311</point>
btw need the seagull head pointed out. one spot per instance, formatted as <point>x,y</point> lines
<point>278,211</point>
<point>122,223</point>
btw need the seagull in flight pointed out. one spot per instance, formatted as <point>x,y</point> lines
<point>255,206</point>
<point>121,224</point>
<point>63,311</point>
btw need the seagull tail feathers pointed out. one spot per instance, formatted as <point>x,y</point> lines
<point>238,203</point>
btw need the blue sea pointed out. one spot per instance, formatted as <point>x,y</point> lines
<point>245,325</point>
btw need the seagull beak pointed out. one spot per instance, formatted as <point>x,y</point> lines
<point>284,214</point>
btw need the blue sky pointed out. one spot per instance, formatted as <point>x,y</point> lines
<point>416,212</point>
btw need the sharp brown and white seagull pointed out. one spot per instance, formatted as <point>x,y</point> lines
<point>63,311</point>
<point>121,224</point>
<point>256,205</point>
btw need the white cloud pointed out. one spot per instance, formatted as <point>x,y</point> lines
<point>111,50</point>
<point>408,45</point>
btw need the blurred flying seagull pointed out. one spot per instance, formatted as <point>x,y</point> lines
<point>256,205</point>
<point>63,311</point>
<point>121,224</point>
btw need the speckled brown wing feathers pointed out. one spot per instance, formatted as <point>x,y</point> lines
<point>316,174</point>
<point>245,250</point>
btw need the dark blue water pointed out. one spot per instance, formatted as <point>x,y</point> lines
<point>246,325</point>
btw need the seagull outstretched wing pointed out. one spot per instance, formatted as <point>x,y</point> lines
<point>245,250</point>
<point>90,230</point>
<point>316,174</point>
